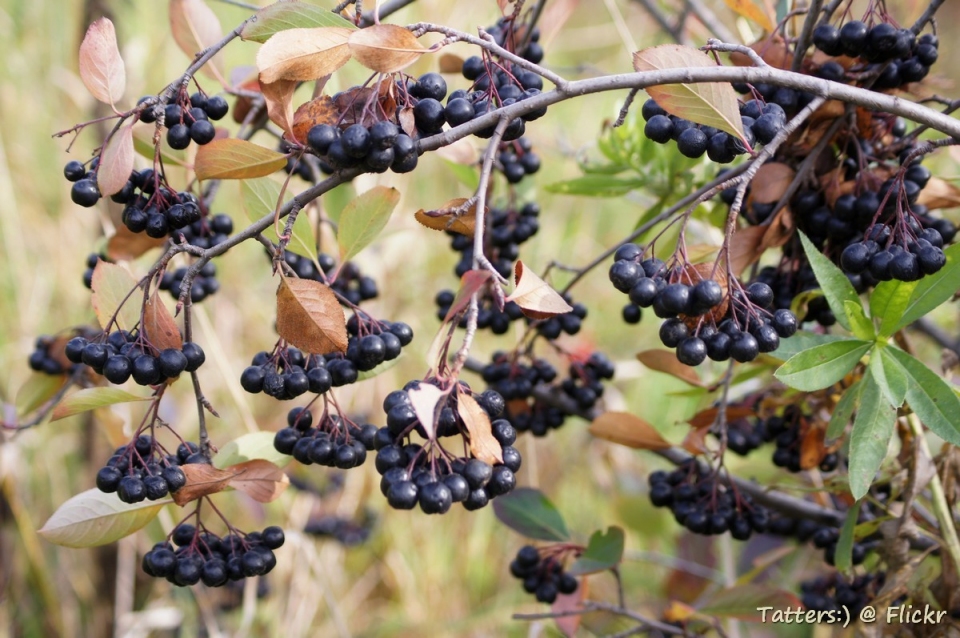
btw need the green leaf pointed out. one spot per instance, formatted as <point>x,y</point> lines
<point>143,145</point>
<point>745,602</point>
<point>596,185</point>
<point>604,551</point>
<point>889,375</point>
<point>843,558</point>
<point>469,176</point>
<point>336,200</point>
<point>823,365</point>
<point>930,397</point>
<point>801,341</point>
<point>887,303</point>
<point>379,369</point>
<point>843,411</point>
<point>93,518</point>
<point>527,511</point>
<point>870,438</point>
<point>281,16</point>
<point>255,445</point>
<point>860,325</point>
<point>37,390</point>
<point>933,290</point>
<point>363,219</point>
<point>834,284</point>
<point>91,399</point>
<point>113,294</point>
<point>260,196</point>
<point>231,158</point>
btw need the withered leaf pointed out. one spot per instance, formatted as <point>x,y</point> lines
<point>309,316</point>
<point>195,28</point>
<point>771,182</point>
<point>569,623</point>
<point>303,54</point>
<point>535,297</point>
<point>317,111</point>
<point>125,245</point>
<point>159,326</point>
<point>279,100</point>
<point>939,193</point>
<point>101,67</point>
<point>482,442</point>
<point>629,430</point>
<point>450,63</point>
<point>202,480</point>
<point>666,362</point>
<point>745,247</point>
<point>443,218</point>
<point>386,48</point>
<point>259,479</point>
<point>471,282</point>
<point>424,401</point>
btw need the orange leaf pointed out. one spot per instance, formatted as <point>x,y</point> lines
<point>195,28</point>
<point>450,63</point>
<point>386,48</point>
<point>750,11</point>
<point>125,245</point>
<point>159,326</point>
<point>303,54</point>
<point>666,362</point>
<point>279,99</point>
<point>745,247</point>
<point>101,67</point>
<point>444,219</point>
<point>236,159</point>
<point>309,114</point>
<point>535,297</point>
<point>116,161</point>
<point>202,480</point>
<point>629,430</point>
<point>424,401</point>
<point>812,448</point>
<point>259,479</point>
<point>482,442</point>
<point>309,316</point>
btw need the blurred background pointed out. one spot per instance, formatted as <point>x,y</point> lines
<point>384,573</point>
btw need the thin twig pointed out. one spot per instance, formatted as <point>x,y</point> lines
<point>806,33</point>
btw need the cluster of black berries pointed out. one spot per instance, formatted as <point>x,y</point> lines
<point>207,232</point>
<point>489,314</point>
<point>122,355</point>
<point>743,436</point>
<point>880,260</point>
<point>84,191</point>
<point>788,280</point>
<point>189,121</point>
<point>214,561</point>
<point>568,323</point>
<point>517,160</point>
<point>333,442</point>
<point>46,358</point>
<point>351,284</point>
<point>507,229</point>
<point>761,122</point>
<point>140,470</point>
<point>786,432</point>
<point>823,536</point>
<point>834,592</point>
<point>510,85</point>
<point>543,577</point>
<point>515,381</point>
<point>204,284</point>
<point>92,260</point>
<point>705,505</point>
<point>377,148</point>
<point>412,474</point>
<point>895,56</point>
<point>507,34</point>
<point>343,530</point>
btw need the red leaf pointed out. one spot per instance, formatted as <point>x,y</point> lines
<point>424,401</point>
<point>159,326</point>
<point>443,218</point>
<point>195,27</point>
<point>566,603</point>
<point>320,110</point>
<point>629,430</point>
<point>116,161</point>
<point>236,159</point>
<point>202,480</point>
<point>279,98</point>
<point>482,442</point>
<point>310,317</point>
<point>535,296</point>
<point>101,67</point>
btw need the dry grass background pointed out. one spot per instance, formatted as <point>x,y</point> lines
<point>416,576</point>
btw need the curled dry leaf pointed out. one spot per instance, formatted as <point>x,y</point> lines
<point>303,54</point>
<point>125,245</point>
<point>386,48</point>
<point>279,99</point>
<point>424,401</point>
<point>309,316</point>
<point>471,282</point>
<point>407,121</point>
<point>773,50</point>
<point>236,159</point>
<point>812,448</point>
<point>111,286</point>
<point>708,103</point>
<point>701,422</point>
<point>101,67</point>
<point>939,193</point>
<point>195,28</point>
<point>202,480</point>
<point>116,161</point>
<point>482,442</point>
<point>629,430</point>
<point>159,326</point>
<point>444,218</point>
<point>744,248</point>
<point>666,362</point>
<point>259,479</point>
<point>535,297</point>
<point>320,110</point>
<point>752,12</point>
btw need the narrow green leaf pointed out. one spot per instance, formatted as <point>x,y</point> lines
<point>843,559</point>
<point>527,511</point>
<point>860,325</point>
<point>870,438</point>
<point>37,390</point>
<point>834,284</point>
<point>596,185</point>
<point>823,365</point>
<point>932,398</point>
<point>801,341</point>
<point>254,445</point>
<point>889,375</point>
<point>93,518</point>
<point>91,399</point>
<point>933,290</point>
<point>281,16</point>
<point>843,411</point>
<point>887,303</point>
<point>604,551</point>
<point>363,219</point>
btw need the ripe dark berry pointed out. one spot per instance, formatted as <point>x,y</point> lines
<point>855,258</point>
<point>659,128</point>
<point>784,322</point>
<point>74,171</point>
<point>692,351</point>
<point>435,498</point>
<point>402,495</point>
<point>178,136</point>
<point>706,294</point>
<point>692,143</point>
<point>174,477</point>
<point>108,479</point>
<point>131,489</point>
<point>826,37</point>
<point>172,362</point>
<point>94,355</point>
<point>672,332</point>
<point>155,486</point>
<point>853,37</point>
<point>502,481</point>
<point>216,107</point>
<point>202,132</point>
<point>760,294</point>
<point>117,369</point>
<point>672,300</point>
<point>253,564</point>
<point>85,193</point>
<point>458,111</point>
<point>904,267</point>
<point>320,137</point>
<point>428,115</point>
<point>145,370</point>
<point>194,354</point>
<point>931,259</point>
<point>625,274</point>
<point>430,85</point>
<point>252,379</point>
<point>272,537</point>
<point>744,348</point>
<point>356,141</point>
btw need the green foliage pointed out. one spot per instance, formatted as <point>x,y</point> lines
<point>872,429</point>
<point>823,365</point>
<point>835,285</point>
<point>604,551</point>
<point>526,510</point>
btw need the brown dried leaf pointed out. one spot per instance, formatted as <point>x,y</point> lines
<point>706,418</point>
<point>386,48</point>
<point>111,286</point>
<point>778,231</point>
<point>303,54</point>
<point>309,316</point>
<point>116,161</point>
<point>195,27</point>
<point>279,99</point>
<point>535,297</point>
<point>236,159</point>
<point>773,50</point>
<point>629,430</point>
<point>554,17</point>
<point>424,401</point>
<point>771,182</point>
<point>101,67</point>
<point>566,603</point>
<point>320,110</point>
<point>159,326</point>
<point>450,63</point>
<point>202,480</point>
<point>939,193</point>
<point>407,121</point>
<point>745,247</point>
<point>443,218</point>
<point>666,362</point>
<point>482,442</point>
<point>259,479</point>
<point>812,449</point>
<point>752,12</point>
<point>471,282</point>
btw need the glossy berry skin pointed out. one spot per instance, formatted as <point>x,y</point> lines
<point>320,137</point>
<point>85,193</point>
<point>692,143</point>
<point>435,498</point>
<point>744,348</point>
<point>172,362</point>
<point>216,107</point>
<point>273,537</point>
<point>108,479</point>
<point>356,141</point>
<point>826,37</point>
<point>430,85</point>
<point>131,489</point>
<point>402,495</point>
<point>428,115</point>
<point>178,136</point>
<point>853,37</point>
<point>202,132</point>
<point>74,171</point>
<point>659,128</point>
<point>174,477</point>
<point>692,351</point>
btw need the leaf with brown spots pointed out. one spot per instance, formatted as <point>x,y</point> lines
<point>385,48</point>
<point>629,430</point>
<point>159,326</point>
<point>310,317</point>
<point>318,111</point>
<point>202,480</point>
<point>443,218</point>
<point>259,479</point>
<point>535,297</point>
<point>666,362</point>
<point>482,442</point>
